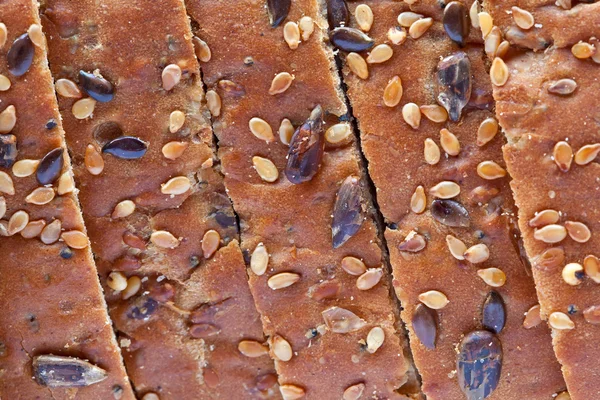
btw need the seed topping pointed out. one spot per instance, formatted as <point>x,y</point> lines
<point>523,18</point>
<point>532,317</point>
<point>434,113</point>
<point>563,155</point>
<point>306,149</point>
<point>278,10</point>
<point>338,133</point>
<point>550,233</point>
<point>164,239</point>
<point>369,279</point>
<point>494,312</point>
<point>350,39</point>
<point>434,299</point>
<point>431,151</point>
<point>67,88</point>
<point>587,154</point>
<point>174,150</point>
<point>210,243</point>
<point>40,196</point>
<point>418,201</point>
<point>281,83</point>
<point>499,72</point>
<point>490,170</point>
<point>201,49</point>
<point>283,280</point>
<point>65,372</point>
<point>413,243</point>
<point>171,76</point>
<point>412,115</point>
<point>265,168</point>
<point>8,150</point>
<point>20,55</point>
<point>456,246</point>
<point>50,167</point>
<point>454,84</point>
<point>487,131</point>
<point>419,27</point>
<point>252,348</point>
<point>573,274</point>
<point>175,186</point>
<point>560,321</point>
<point>286,131</point>
<point>357,65</point>
<point>445,190</point>
<point>93,160</point>
<point>83,108</point>
<point>353,266</point>
<point>456,22</point>
<point>340,320</point>
<point>364,17</point>
<point>75,239</point>
<point>562,87</point>
<point>543,218</point>
<point>259,260</point>
<point>96,86</point>
<point>380,53</point>
<point>282,350</point>
<point>375,339</point>
<point>8,119</point>
<point>123,209</point>
<point>492,276</point>
<point>578,231</point>
<point>424,324</point>
<point>291,35</point>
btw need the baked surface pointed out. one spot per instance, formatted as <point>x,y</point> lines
<point>177,331</point>
<point>534,120</point>
<point>294,221</point>
<point>397,165</point>
<point>50,296</point>
<point>554,25</point>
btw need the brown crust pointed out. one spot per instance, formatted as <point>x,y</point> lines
<point>131,43</point>
<point>397,166</point>
<point>293,221</point>
<point>50,304</point>
<point>553,24</point>
<point>534,120</point>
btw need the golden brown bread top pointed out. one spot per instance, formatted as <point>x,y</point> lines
<point>170,353</point>
<point>559,23</point>
<point>397,165</point>
<point>534,120</point>
<point>294,221</point>
<point>49,294</point>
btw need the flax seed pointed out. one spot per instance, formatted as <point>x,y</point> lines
<point>412,115</point>
<point>434,299</point>
<point>418,201</point>
<point>477,254</point>
<point>261,129</point>
<point>392,94</point>
<point>357,65</point>
<point>449,142</point>
<point>364,17</point>
<point>573,274</point>
<point>563,156</point>
<point>431,152</point>
<point>265,169</point>
<point>587,154</point>
<point>171,76</point>
<point>291,35</point>
<point>283,280</point>
<point>40,196</point>
<point>523,18</point>
<point>259,260</point>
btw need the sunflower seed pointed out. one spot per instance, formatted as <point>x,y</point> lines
<point>306,149</point>
<point>68,372</point>
<point>337,13</point>
<point>479,364</point>
<point>454,84</point>
<point>350,39</point>
<point>424,325</point>
<point>20,55</point>
<point>50,167</point>
<point>347,211</point>
<point>96,86</point>
<point>8,150</point>
<point>456,22</point>
<point>126,147</point>
<point>278,10</point>
<point>494,312</point>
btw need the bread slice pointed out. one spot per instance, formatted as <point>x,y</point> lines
<point>56,340</point>
<point>417,187</point>
<point>293,222</point>
<point>536,115</point>
<point>540,24</point>
<point>161,225</point>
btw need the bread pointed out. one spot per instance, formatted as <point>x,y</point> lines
<point>56,340</point>
<point>535,117</point>
<point>418,231</point>
<point>162,228</point>
<point>557,23</point>
<point>294,221</point>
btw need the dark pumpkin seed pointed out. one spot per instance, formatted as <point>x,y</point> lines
<point>481,99</point>
<point>450,213</point>
<point>8,150</point>
<point>306,149</point>
<point>50,167</point>
<point>494,313</point>
<point>142,308</point>
<point>350,39</point>
<point>347,211</point>
<point>457,23</point>
<point>424,323</point>
<point>337,13</point>
<point>202,331</point>
<point>454,84</point>
<point>479,364</point>
<point>57,371</point>
<point>225,218</point>
<point>20,55</point>
<point>96,86</point>
<point>126,147</point>
<point>107,131</point>
<point>278,10</point>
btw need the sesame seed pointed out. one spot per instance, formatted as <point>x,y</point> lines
<point>176,186</point>
<point>578,231</point>
<point>412,115</point>
<point>561,321</point>
<point>67,88</point>
<point>434,299</point>
<point>587,154</point>
<point>210,243</point>
<point>493,277</point>
<point>164,239</point>
<point>375,339</point>
<point>434,113</point>
<point>418,201</point>
<point>4,83</point>
<point>499,72</point>
<point>282,350</point>
<point>83,108</point>
<point>406,19</point>
<point>291,392</point>
<point>357,65</point>
<point>286,131</point>
<point>176,121</point>
<point>445,190</point>
<point>369,279</point>
<point>396,35</point>
<point>93,160</point>
<point>40,196</point>
<point>6,184</point>
<point>265,168</point>
<point>117,281</point>
<point>532,317</point>
<point>123,209</point>
<point>543,218</point>
<point>418,28</point>
<point>449,142</point>
<point>354,392</point>
<point>281,83</point>
<point>364,17</point>
<point>259,259</point>
<point>134,284</point>
<point>353,266</point>
<point>473,14</point>
<point>261,129</point>
<point>573,274</point>
<point>202,50</point>
<point>379,54</point>
<point>36,35</point>
<point>550,233</point>
<point>17,222</point>
<point>456,246</point>
<point>51,232</point>
<point>591,264</point>
<point>3,34</point>
<point>307,27</point>
<point>174,150</point>
<point>490,170</point>
<point>563,155</point>
<point>523,18</point>
<point>282,280</point>
<point>338,133</point>
<point>392,94</point>
<point>477,254</point>
<point>583,50</point>
<point>171,76</point>
<point>24,168</point>
<point>291,35</point>
<point>486,23</point>
<point>8,119</point>
<point>75,239</point>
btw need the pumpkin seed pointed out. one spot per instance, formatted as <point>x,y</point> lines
<point>347,211</point>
